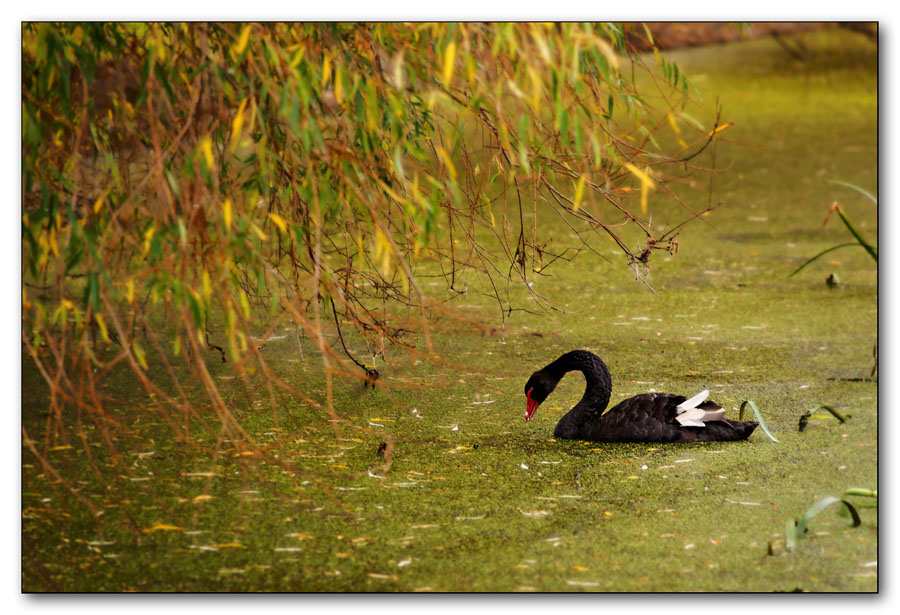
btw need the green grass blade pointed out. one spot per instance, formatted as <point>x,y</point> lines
<point>790,535</point>
<point>871,250</point>
<point>804,418</point>
<point>866,193</point>
<point>869,493</point>
<point>822,253</point>
<point>836,414</point>
<point>759,418</point>
<point>795,530</point>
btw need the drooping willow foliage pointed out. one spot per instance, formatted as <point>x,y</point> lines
<point>240,177</point>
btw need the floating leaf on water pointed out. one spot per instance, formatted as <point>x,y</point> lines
<point>162,527</point>
<point>376,575</point>
<point>743,503</point>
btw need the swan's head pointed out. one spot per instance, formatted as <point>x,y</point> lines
<point>538,387</point>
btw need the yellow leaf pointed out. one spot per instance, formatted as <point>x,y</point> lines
<point>206,148</point>
<point>139,354</point>
<point>404,281</point>
<point>207,285</point>
<point>386,264</point>
<point>279,221</point>
<point>295,61</point>
<point>245,304</point>
<point>446,158</point>
<point>641,175</point>
<point>54,247</point>
<point>580,568</point>
<point>608,52</point>
<point>162,527</point>
<point>64,447</point>
<point>242,41</point>
<point>236,125</point>
<point>579,192</point>
<point>721,128</point>
<point>129,290</point>
<point>259,233</point>
<point>326,70</point>
<point>98,204</point>
<point>226,213</point>
<point>201,498</point>
<point>673,124</point>
<point>646,183</point>
<point>230,545</point>
<point>449,57</point>
<point>100,323</point>
<point>148,236</point>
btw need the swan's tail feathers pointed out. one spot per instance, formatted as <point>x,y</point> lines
<point>694,412</point>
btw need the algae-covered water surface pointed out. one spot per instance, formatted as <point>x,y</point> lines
<point>476,499</point>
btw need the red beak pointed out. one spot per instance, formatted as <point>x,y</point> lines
<point>531,407</point>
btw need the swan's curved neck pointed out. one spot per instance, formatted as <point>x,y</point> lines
<point>598,384</point>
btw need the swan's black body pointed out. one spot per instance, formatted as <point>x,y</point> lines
<point>650,417</point>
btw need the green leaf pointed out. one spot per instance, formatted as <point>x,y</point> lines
<point>855,233</point>
<point>822,253</point>
<point>795,531</point>
<point>759,418</point>
<point>854,187</point>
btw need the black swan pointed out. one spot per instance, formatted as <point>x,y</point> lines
<point>650,417</point>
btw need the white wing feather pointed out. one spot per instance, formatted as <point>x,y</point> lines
<point>692,417</point>
<point>693,402</point>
